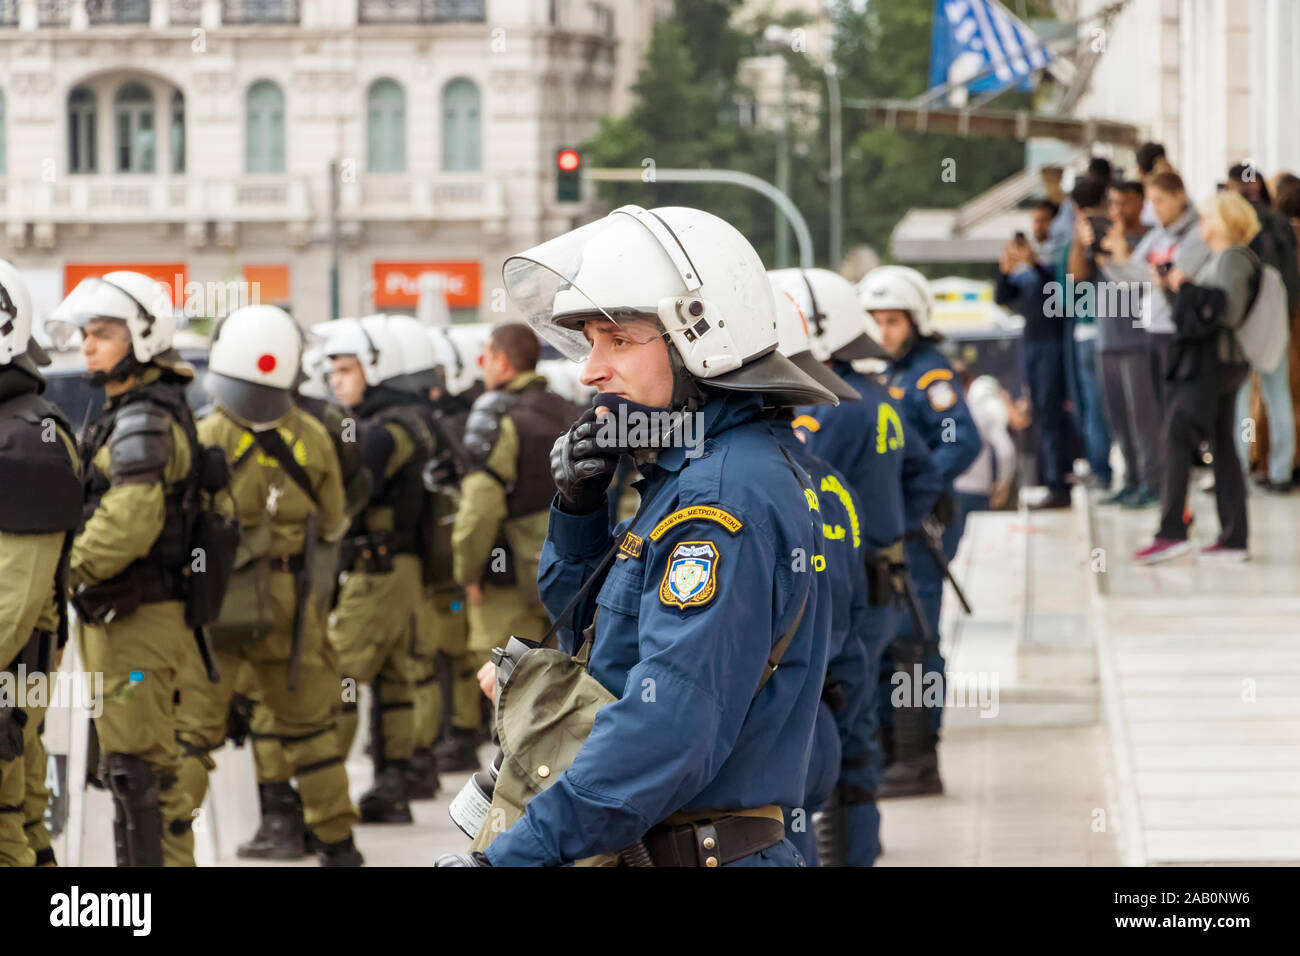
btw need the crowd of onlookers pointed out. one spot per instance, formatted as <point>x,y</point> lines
<point>1161,326</point>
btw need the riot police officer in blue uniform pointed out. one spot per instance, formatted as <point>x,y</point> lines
<point>848,689</point>
<point>710,628</point>
<point>923,384</point>
<point>889,470</point>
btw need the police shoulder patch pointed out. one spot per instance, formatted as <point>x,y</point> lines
<point>934,375</point>
<point>806,421</point>
<point>690,576</point>
<point>696,513</point>
<point>942,396</point>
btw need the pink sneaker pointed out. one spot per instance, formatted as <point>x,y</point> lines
<point>1225,555</point>
<point>1162,549</point>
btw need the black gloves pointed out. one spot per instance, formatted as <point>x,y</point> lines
<point>945,509</point>
<point>462,859</point>
<point>12,722</point>
<point>582,469</point>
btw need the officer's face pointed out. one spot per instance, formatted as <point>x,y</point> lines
<point>629,359</point>
<point>895,329</point>
<point>347,380</point>
<point>104,343</point>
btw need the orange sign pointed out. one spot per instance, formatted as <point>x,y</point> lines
<point>398,283</point>
<point>271,283</point>
<point>170,274</point>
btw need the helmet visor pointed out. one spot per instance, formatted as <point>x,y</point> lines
<point>92,298</point>
<point>617,269</point>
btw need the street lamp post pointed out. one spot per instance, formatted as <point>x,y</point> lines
<point>837,165</point>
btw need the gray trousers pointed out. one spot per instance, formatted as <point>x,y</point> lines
<point>1134,414</point>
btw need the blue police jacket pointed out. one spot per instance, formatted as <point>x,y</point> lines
<point>924,384</point>
<point>889,466</point>
<point>717,564</point>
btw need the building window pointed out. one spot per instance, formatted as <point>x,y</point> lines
<point>52,13</point>
<point>82,138</point>
<point>461,127</point>
<point>117,11</point>
<point>133,123</point>
<point>8,13</point>
<point>259,11</point>
<point>178,131</point>
<point>385,127</point>
<point>265,128</point>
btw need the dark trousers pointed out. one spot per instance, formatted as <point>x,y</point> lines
<point>1045,370</point>
<point>1133,414</point>
<point>1180,441</point>
<point>1158,346</point>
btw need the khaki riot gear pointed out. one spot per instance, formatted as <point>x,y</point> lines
<point>126,562</point>
<point>275,511</point>
<point>503,515</point>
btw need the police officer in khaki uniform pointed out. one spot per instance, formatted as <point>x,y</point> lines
<point>374,627</point>
<point>127,560</point>
<point>40,504</point>
<point>289,495</point>
<point>502,518</point>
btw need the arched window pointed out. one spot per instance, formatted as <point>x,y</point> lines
<point>460,127</point>
<point>133,124</point>
<point>178,131</point>
<point>82,134</point>
<point>264,129</point>
<point>385,127</point>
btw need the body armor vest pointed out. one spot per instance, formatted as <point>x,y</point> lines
<point>158,573</point>
<point>41,490</point>
<point>540,417</point>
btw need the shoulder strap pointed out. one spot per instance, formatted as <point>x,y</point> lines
<point>275,446</point>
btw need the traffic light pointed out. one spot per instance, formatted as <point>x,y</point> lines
<point>568,175</point>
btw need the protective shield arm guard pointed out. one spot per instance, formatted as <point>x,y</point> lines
<point>129,517</point>
<point>482,507</point>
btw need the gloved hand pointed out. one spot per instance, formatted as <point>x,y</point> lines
<point>945,509</point>
<point>581,468</point>
<point>462,859</point>
<point>239,719</point>
<point>12,722</point>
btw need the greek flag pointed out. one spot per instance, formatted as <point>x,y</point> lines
<point>979,44</point>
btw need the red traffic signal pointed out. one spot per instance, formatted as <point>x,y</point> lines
<point>568,160</point>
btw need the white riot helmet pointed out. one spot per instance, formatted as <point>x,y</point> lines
<point>17,347</point>
<point>458,372</point>
<point>836,322</point>
<point>144,304</point>
<point>417,355</point>
<point>254,363</point>
<point>898,287</point>
<point>689,272</point>
<point>795,342</point>
<point>373,346</point>
<point>314,382</point>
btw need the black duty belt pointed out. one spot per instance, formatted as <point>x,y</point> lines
<point>292,563</point>
<point>712,842</point>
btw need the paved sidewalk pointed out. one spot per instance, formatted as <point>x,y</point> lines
<point>1201,676</point>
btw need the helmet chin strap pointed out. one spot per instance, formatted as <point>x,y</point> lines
<point>687,395</point>
<point>123,370</point>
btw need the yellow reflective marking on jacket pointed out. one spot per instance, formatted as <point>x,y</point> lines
<point>832,484</point>
<point>266,460</point>
<point>889,429</point>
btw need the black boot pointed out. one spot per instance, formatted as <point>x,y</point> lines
<point>137,824</point>
<point>458,751</point>
<point>386,801</point>
<point>342,853</point>
<point>422,775</point>
<point>280,834</point>
<point>913,776</point>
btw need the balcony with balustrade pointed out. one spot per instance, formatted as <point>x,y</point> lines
<point>82,15</point>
